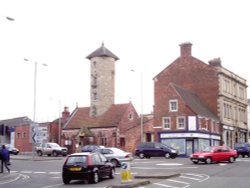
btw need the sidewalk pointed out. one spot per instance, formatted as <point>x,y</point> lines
<point>29,156</point>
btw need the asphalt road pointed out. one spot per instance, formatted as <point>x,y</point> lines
<point>47,174</point>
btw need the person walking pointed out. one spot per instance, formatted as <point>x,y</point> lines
<point>5,155</point>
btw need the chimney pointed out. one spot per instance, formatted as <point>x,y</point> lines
<point>215,62</point>
<point>65,114</point>
<point>186,49</point>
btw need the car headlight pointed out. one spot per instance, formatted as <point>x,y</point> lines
<point>191,155</point>
<point>173,151</point>
<point>201,156</point>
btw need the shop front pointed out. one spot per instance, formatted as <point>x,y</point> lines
<point>189,142</point>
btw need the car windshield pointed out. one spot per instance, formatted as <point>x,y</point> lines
<point>74,160</point>
<point>208,149</point>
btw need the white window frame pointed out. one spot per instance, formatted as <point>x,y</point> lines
<point>164,123</point>
<point>178,123</point>
<point>171,109</point>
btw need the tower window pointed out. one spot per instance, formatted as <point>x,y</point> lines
<point>94,96</point>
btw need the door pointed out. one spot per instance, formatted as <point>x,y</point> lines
<point>189,148</point>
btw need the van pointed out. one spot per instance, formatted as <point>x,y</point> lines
<point>155,149</point>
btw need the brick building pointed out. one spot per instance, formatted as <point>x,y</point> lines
<point>103,122</point>
<point>188,104</point>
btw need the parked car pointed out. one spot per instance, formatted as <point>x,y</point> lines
<point>155,149</point>
<point>243,149</point>
<point>91,147</point>
<point>214,154</point>
<point>87,166</point>
<point>11,149</point>
<point>51,148</point>
<point>115,155</point>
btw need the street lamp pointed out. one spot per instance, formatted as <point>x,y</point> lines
<point>34,102</point>
<point>8,18</point>
<point>141,117</point>
<point>35,78</point>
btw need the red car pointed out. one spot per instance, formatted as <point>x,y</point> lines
<point>214,154</point>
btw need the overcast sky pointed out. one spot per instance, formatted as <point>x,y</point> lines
<point>144,34</point>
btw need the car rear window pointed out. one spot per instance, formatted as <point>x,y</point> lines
<point>74,160</point>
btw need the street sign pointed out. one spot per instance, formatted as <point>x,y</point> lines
<point>38,134</point>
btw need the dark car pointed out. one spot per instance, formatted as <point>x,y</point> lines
<point>11,149</point>
<point>243,149</point>
<point>91,147</point>
<point>87,166</point>
<point>155,149</point>
<point>214,154</point>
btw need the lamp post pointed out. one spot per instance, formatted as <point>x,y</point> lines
<point>141,93</point>
<point>34,101</point>
<point>8,18</point>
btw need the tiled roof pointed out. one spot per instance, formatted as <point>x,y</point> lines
<point>80,117</point>
<point>102,51</point>
<point>16,121</point>
<point>194,102</point>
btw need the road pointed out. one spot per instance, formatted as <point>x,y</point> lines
<point>47,174</point>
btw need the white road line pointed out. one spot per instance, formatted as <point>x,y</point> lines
<point>39,172</point>
<point>190,178</point>
<point>54,172</point>
<point>197,175</point>
<point>163,185</point>
<point>26,172</point>
<point>178,181</point>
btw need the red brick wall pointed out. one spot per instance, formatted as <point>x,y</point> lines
<point>22,138</point>
<point>189,73</point>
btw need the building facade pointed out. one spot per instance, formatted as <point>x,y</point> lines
<point>189,100</point>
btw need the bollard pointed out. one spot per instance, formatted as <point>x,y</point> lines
<point>126,173</point>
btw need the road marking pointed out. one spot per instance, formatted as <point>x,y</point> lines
<point>190,178</point>
<point>39,172</point>
<point>54,172</point>
<point>169,164</point>
<point>164,185</point>
<point>56,185</point>
<point>163,168</point>
<point>26,172</point>
<point>178,181</point>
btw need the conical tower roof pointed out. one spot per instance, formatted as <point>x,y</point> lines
<point>102,51</point>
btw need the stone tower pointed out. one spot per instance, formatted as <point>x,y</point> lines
<point>102,80</point>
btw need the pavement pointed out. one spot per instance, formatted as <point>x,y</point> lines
<point>135,181</point>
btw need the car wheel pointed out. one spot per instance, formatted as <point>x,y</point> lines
<point>66,180</point>
<point>112,174</point>
<point>231,159</point>
<point>95,178</point>
<point>39,153</point>
<point>167,155</point>
<point>209,160</point>
<point>195,162</point>
<point>54,153</point>
<point>141,155</point>
<point>114,162</point>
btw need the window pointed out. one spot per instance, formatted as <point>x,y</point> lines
<point>18,135</point>
<point>166,123</point>
<point>122,141</point>
<point>104,141</point>
<point>94,96</point>
<point>181,122</point>
<point>241,92</point>
<point>24,135</point>
<point>173,106</point>
<point>130,116</point>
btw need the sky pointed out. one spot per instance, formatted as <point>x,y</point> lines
<point>144,34</point>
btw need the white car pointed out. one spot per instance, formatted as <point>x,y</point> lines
<point>115,155</point>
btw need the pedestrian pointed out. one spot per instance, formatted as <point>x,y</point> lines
<point>5,155</point>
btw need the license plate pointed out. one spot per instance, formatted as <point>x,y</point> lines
<point>195,160</point>
<point>75,169</point>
